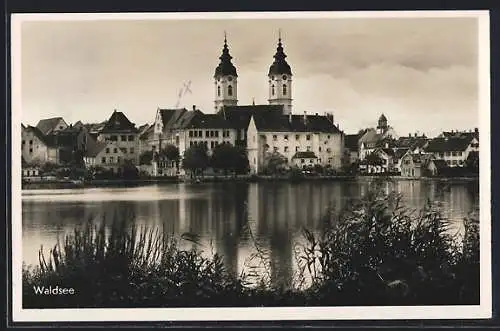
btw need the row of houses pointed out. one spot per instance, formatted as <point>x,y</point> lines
<point>382,151</point>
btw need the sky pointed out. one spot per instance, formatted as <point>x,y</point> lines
<point>422,73</point>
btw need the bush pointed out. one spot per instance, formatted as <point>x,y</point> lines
<point>375,252</point>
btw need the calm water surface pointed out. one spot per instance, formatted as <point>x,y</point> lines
<point>222,213</point>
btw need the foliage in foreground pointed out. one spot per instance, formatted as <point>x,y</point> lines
<point>374,252</point>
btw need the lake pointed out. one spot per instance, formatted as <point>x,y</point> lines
<point>230,218</point>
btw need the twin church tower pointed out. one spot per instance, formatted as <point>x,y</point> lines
<point>280,80</point>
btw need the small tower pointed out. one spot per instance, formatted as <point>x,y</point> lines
<point>382,124</point>
<point>225,80</point>
<point>280,80</point>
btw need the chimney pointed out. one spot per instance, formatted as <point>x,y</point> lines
<point>305,117</point>
<point>476,130</point>
<point>194,107</point>
<point>415,134</point>
<point>317,114</point>
<point>290,117</point>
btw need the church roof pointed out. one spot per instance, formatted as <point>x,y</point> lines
<point>280,66</point>
<point>118,122</point>
<point>225,67</point>
<point>272,121</point>
<point>239,116</point>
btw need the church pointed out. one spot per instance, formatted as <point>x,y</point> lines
<point>304,139</point>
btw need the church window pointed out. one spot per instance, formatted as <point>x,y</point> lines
<point>272,89</point>
<point>230,90</point>
<point>284,89</point>
<point>218,90</point>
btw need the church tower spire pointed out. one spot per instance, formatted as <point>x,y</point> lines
<point>280,79</point>
<point>225,80</point>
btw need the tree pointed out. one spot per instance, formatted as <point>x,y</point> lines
<point>196,159</point>
<point>227,157</point>
<point>129,170</point>
<point>275,162</point>
<point>374,159</point>
<point>146,158</point>
<point>171,152</point>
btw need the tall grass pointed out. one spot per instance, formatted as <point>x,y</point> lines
<point>374,252</point>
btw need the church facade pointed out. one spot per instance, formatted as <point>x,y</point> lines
<point>271,127</point>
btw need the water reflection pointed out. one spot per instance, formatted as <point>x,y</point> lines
<point>228,217</point>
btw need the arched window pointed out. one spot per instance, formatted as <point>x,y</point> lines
<point>272,89</point>
<point>284,89</point>
<point>218,90</point>
<point>230,90</point>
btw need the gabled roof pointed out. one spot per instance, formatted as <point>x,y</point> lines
<point>118,122</point>
<point>304,155</point>
<point>170,116</point>
<point>147,133</point>
<point>370,137</point>
<point>451,144</point>
<point>400,152</point>
<point>143,128</point>
<point>470,133</point>
<point>94,148</point>
<point>272,121</point>
<point>48,124</point>
<point>36,131</point>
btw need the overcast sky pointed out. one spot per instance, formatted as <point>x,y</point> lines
<point>420,72</point>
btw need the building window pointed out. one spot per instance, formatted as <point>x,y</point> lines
<point>275,149</point>
<point>124,138</point>
<point>284,89</point>
<point>216,134</point>
<point>130,138</point>
<point>111,159</point>
<point>275,137</point>
<point>308,137</point>
<point>212,144</point>
<point>124,150</point>
<point>297,137</point>
<point>132,150</point>
<point>311,161</point>
<point>328,137</point>
<point>115,150</point>
<point>254,161</point>
<point>103,160</point>
<point>31,150</point>
<point>320,149</point>
<point>286,137</point>
<point>308,148</point>
<point>107,150</point>
<point>296,148</point>
<point>230,90</point>
<point>190,134</point>
<point>200,133</point>
<point>302,161</point>
<point>218,90</point>
<point>31,142</point>
<point>113,138</point>
<point>23,142</point>
<point>272,89</point>
<point>207,133</point>
<point>286,148</point>
<point>118,159</point>
<point>190,143</point>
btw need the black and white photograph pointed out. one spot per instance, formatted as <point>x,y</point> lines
<point>251,166</point>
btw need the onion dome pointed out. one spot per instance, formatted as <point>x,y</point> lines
<point>225,67</point>
<point>280,66</point>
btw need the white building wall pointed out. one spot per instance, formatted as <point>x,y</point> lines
<point>224,99</point>
<point>32,148</point>
<point>128,143</point>
<point>278,97</point>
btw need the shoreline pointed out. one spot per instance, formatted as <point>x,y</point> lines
<point>68,184</point>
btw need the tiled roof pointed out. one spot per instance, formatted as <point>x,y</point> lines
<point>118,122</point>
<point>388,151</point>
<point>304,155</point>
<point>272,121</point>
<point>147,133</point>
<point>198,120</point>
<point>48,124</point>
<point>371,137</point>
<point>471,133</point>
<point>412,142</point>
<point>225,67</point>
<point>94,148</point>
<point>400,152</point>
<point>36,131</point>
<point>239,116</point>
<point>448,144</point>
